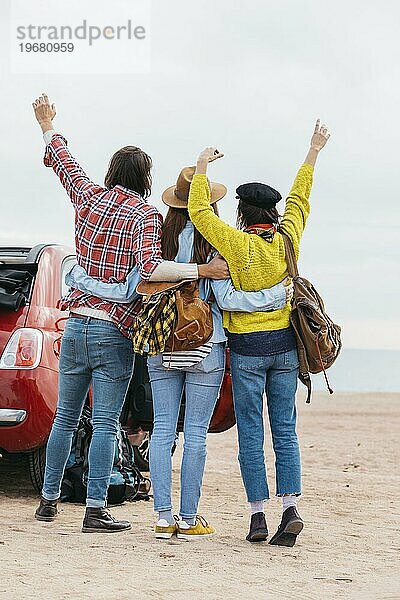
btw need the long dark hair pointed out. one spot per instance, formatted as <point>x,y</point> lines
<point>131,168</point>
<point>248,215</point>
<point>174,224</point>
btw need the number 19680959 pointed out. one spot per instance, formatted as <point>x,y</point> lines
<point>46,47</point>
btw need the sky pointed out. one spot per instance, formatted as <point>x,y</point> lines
<point>250,78</point>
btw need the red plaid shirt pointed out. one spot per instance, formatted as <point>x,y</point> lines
<point>114,231</point>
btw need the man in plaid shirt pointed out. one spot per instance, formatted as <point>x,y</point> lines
<point>115,230</point>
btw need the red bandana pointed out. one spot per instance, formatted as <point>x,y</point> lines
<point>264,230</point>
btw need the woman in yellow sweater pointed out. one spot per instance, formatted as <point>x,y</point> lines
<point>263,346</point>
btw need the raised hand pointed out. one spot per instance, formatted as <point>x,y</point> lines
<point>320,136</point>
<point>208,155</point>
<point>44,111</point>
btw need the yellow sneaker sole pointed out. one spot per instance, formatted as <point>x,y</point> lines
<point>193,536</point>
<point>166,535</point>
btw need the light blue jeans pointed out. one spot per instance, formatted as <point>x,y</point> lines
<point>92,352</point>
<point>201,384</point>
<point>277,377</point>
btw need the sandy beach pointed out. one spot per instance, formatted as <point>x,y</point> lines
<point>349,548</point>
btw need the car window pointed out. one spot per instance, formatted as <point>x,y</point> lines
<point>66,266</point>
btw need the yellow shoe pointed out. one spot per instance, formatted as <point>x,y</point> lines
<point>164,530</point>
<point>189,532</point>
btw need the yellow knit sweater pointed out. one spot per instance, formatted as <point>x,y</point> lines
<point>254,264</point>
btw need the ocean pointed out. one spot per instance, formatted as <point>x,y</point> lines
<point>363,371</point>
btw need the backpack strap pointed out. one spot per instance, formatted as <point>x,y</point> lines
<point>306,379</point>
<point>304,374</point>
<point>290,255</point>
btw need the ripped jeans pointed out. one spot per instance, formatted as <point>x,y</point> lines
<point>276,376</point>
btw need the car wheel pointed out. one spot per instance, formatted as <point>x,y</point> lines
<point>37,462</point>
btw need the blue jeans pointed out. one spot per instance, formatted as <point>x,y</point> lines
<point>201,384</point>
<point>92,352</point>
<point>277,376</point>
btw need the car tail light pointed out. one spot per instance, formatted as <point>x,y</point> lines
<point>23,350</point>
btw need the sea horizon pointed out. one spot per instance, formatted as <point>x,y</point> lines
<point>358,370</point>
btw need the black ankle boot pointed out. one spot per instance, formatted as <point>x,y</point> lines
<point>99,520</point>
<point>289,528</point>
<point>258,528</point>
<point>47,510</point>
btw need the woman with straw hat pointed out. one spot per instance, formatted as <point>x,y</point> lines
<point>200,380</point>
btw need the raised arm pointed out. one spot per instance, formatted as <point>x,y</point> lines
<point>77,184</point>
<point>219,234</point>
<point>297,203</point>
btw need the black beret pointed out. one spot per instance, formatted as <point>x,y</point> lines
<point>258,194</point>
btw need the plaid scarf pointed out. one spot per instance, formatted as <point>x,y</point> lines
<point>154,323</point>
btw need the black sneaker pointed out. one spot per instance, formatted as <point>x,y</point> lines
<point>258,528</point>
<point>289,528</point>
<point>99,520</point>
<point>47,510</point>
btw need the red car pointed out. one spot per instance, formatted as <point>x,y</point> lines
<point>31,326</point>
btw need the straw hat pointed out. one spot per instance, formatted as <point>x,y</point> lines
<point>177,195</point>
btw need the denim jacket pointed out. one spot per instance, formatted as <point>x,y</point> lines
<point>226,296</point>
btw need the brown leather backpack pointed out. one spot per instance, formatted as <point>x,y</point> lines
<point>318,338</point>
<point>193,325</point>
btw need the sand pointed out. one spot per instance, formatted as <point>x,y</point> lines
<point>348,549</point>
